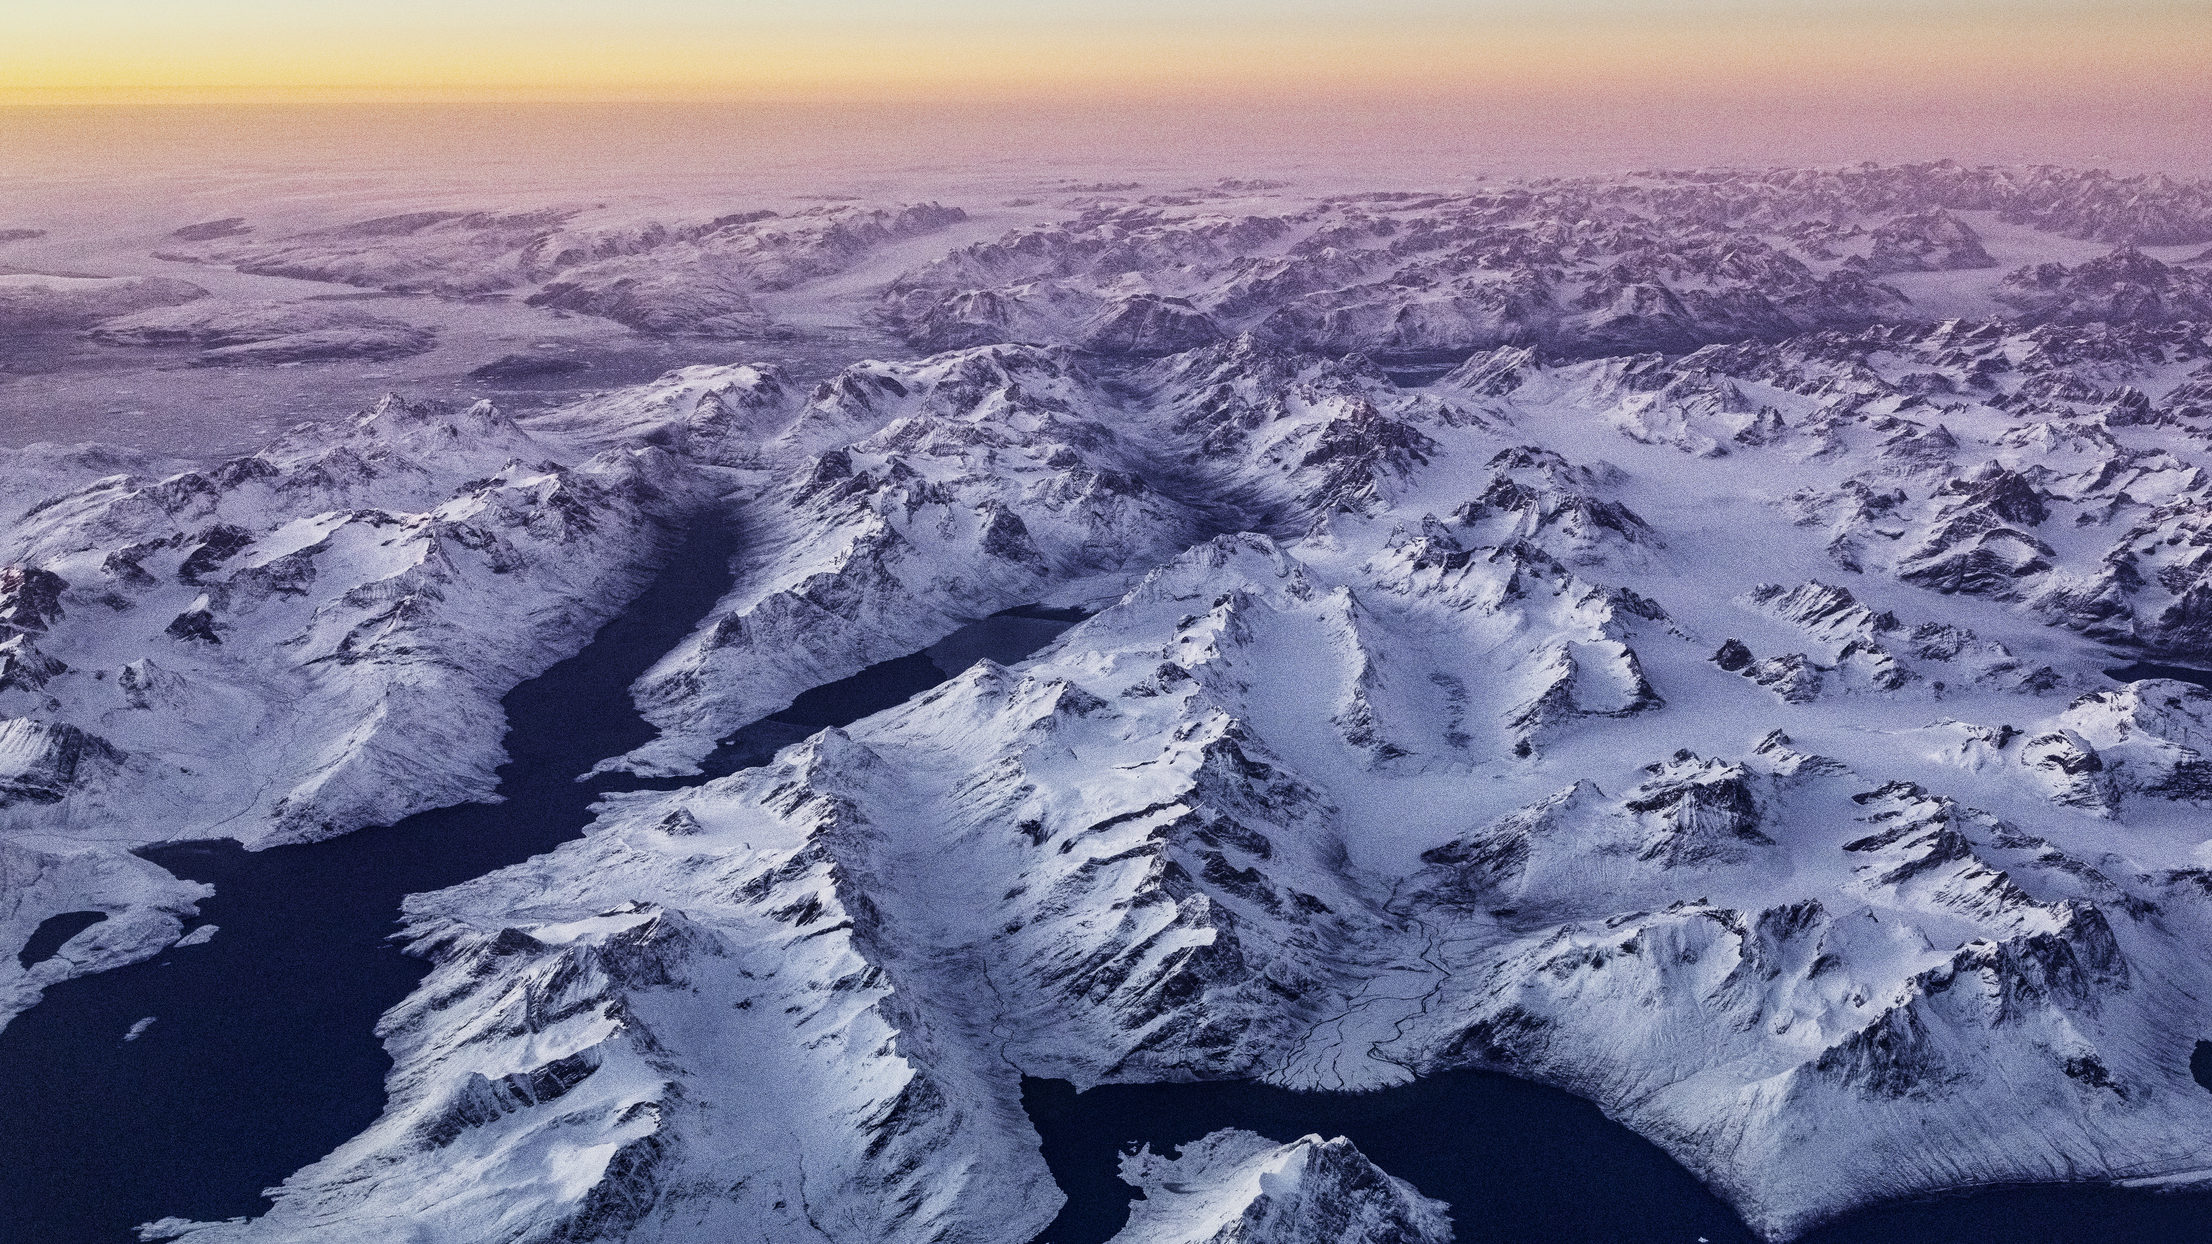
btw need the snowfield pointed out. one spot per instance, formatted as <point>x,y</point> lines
<point>287,645</point>
<point>1237,1188</point>
<point>1695,698</point>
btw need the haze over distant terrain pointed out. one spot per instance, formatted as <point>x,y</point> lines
<point>133,119</point>
<point>103,189</point>
<point>666,622</point>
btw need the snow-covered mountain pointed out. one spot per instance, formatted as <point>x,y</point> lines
<point>269,333</point>
<point>896,500</point>
<point>1238,1188</point>
<point>33,302</point>
<point>1694,698</point>
<point>1583,267</point>
<point>696,277</point>
<point>286,645</point>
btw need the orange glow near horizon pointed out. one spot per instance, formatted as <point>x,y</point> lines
<point>1850,52</point>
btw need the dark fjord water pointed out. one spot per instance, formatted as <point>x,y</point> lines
<point>53,932</point>
<point>1523,1164</point>
<point>262,1057</point>
<point>1515,1160</point>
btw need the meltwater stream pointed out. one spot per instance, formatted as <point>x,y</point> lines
<point>261,1056</point>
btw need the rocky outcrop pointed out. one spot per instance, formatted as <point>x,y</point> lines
<point>1933,241</point>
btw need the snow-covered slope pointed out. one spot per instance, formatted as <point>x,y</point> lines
<point>1238,1188</point>
<point>897,500</point>
<point>34,302</point>
<point>1718,729</point>
<point>291,644</point>
<point>1500,754</point>
<point>1581,267</point>
<point>227,334</point>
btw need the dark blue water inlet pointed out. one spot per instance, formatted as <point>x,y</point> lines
<point>53,932</point>
<point>2141,670</point>
<point>265,1056</point>
<point>1523,1164</point>
<point>1515,1160</point>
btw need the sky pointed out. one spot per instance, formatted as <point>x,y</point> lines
<point>164,50</point>
<point>1359,86</point>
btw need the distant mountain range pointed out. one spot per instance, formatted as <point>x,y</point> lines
<point>1646,635</point>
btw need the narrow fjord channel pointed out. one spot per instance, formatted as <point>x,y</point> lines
<point>262,1056</point>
